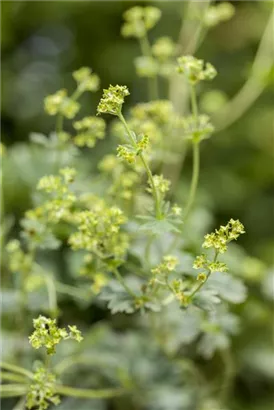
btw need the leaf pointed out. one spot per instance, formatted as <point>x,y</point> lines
<point>227,287</point>
<point>118,299</point>
<point>210,342</point>
<point>39,138</point>
<point>157,226</point>
<point>207,299</point>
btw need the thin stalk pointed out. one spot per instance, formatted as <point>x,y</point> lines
<point>201,284</point>
<point>152,82</point>
<point>194,105</point>
<point>148,171</point>
<point>89,393</point>
<point>71,291</point>
<point>13,390</point>
<point>16,369</point>
<point>12,377</point>
<point>228,376</point>
<point>196,157</point>
<point>53,307</point>
<point>123,283</point>
<point>195,178</point>
<point>59,123</point>
<point>20,405</point>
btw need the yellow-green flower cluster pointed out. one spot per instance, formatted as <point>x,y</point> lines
<point>42,391</point>
<point>176,210</point>
<point>86,80</point>
<point>164,48</point>
<point>138,20</point>
<point>161,184</point>
<point>124,181</point>
<point>112,100</point>
<point>99,231</point>
<point>62,199</point>
<point>218,13</point>
<point>168,265</point>
<point>195,70</point>
<point>89,130</point>
<point>159,111</point>
<point>127,153</point>
<point>60,103</point>
<point>47,334</point>
<point>221,237</point>
<point>146,66</point>
<point>201,262</point>
<point>197,128</point>
<point>18,260</point>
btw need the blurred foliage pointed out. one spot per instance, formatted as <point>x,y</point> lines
<point>42,43</point>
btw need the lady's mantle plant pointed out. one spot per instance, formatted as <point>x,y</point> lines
<point>106,232</point>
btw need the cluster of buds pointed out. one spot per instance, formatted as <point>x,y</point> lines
<point>89,130</point>
<point>146,66</point>
<point>168,265</point>
<point>86,80</point>
<point>195,70</point>
<point>47,334</point>
<point>138,20</point>
<point>161,184</point>
<point>201,262</point>
<point>164,48</point>
<point>196,128</point>
<point>218,13</point>
<point>129,153</point>
<point>42,391</point>
<point>221,237</point>
<point>60,103</point>
<point>112,100</point>
<point>99,231</point>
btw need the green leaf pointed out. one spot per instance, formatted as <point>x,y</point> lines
<point>118,299</point>
<point>227,287</point>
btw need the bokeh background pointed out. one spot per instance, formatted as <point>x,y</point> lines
<point>44,41</point>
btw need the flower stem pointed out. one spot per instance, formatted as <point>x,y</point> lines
<point>196,158</point>
<point>89,393</point>
<point>148,171</point>
<point>123,283</point>
<point>13,390</point>
<point>12,377</point>
<point>195,178</point>
<point>152,82</point>
<point>16,369</point>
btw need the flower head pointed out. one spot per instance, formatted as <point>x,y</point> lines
<point>112,100</point>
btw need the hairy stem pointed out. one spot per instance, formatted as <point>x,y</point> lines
<point>16,369</point>
<point>146,166</point>
<point>89,393</point>
<point>152,82</point>
<point>123,283</point>
<point>194,180</point>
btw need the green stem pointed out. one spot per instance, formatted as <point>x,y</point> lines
<point>196,157</point>
<point>71,291</point>
<point>148,171</point>
<point>195,178</point>
<point>12,377</point>
<point>201,284</point>
<point>194,105</point>
<point>13,390</point>
<point>228,375</point>
<point>59,123</point>
<point>123,283</point>
<point>53,307</point>
<point>152,82</point>
<point>16,369</point>
<point>89,393</point>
